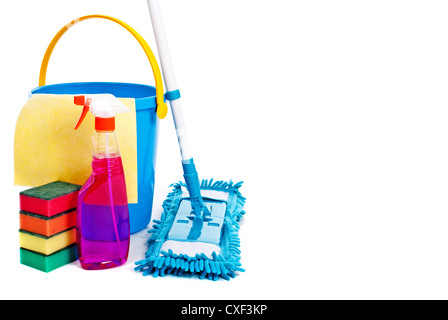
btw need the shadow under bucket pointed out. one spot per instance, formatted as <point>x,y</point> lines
<point>147,134</point>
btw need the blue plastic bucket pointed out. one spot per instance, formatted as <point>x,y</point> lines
<point>147,133</point>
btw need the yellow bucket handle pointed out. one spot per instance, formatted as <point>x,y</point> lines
<point>162,108</point>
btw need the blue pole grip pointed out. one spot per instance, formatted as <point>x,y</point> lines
<point>199,211</point>
<point>192,180</point>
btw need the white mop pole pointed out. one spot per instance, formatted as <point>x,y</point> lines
<point>168,75</point>
<point>190,173</point>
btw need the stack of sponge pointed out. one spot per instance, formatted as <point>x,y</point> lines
<point>47,232</point>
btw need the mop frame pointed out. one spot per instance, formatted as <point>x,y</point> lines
<point>221,264</point>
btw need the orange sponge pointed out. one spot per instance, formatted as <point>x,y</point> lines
<point>47,226</point>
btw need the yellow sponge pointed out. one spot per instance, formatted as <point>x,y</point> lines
<point>46,245</point>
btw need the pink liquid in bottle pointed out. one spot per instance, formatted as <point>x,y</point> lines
<point>103,230</point>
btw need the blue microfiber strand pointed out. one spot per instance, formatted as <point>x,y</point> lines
<point>221,264</point>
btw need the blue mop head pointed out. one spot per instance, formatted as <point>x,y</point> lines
<point>176,247</point>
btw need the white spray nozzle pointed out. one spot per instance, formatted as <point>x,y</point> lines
<point>100,105</point>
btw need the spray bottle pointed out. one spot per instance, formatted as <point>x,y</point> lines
<point>102,228</point>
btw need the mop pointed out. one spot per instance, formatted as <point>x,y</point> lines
<point>198,231</point>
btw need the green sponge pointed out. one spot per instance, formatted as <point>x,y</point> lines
<point>50,262</point>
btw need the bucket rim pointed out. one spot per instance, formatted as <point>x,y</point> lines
<point>135,91</point>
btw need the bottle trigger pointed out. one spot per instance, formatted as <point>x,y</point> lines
<point>81,101</point>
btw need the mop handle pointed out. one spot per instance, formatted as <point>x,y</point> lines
<point>170,79</point>
<point>190,174</point>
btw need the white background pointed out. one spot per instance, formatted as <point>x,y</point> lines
<point>334,113</point>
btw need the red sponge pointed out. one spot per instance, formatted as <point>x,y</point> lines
<point>50,199</point>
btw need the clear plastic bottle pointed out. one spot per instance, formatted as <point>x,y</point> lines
<point>103,229</point>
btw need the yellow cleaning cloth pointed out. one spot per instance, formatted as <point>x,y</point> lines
<point>47,148</point>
